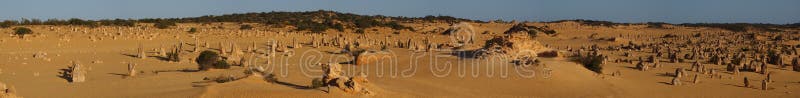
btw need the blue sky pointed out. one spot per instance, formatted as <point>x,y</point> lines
<point>671,11</point>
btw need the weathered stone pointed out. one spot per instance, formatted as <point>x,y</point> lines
<point>331,71</point>
<point>676,81</point>
<point>746,82</point>
<point>141,51</point>
<point>764,69</point>
<point>679,72</point>
<point>764,84</point>
<point>77,73</point>
<point>131,69</point>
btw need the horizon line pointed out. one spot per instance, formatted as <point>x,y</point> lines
<point>397,16</point>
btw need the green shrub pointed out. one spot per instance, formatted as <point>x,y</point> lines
<point>593,63</point>
<point>164,24</point>
<point>222,65</point>
<point>117,22</point>
<point>774,57</point>
<point>245,27</point>
<point>192,30</point>
<point>22,31</point>
<point>223,79</point>
<point>7,23</point>
<point>207,60</point>
<point>316,83</point>
<point>307,21</point>
<point>88,23</point>
<point>360,31</point>
<point>271,78</point>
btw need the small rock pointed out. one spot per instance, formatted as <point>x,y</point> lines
<point>40,55</point>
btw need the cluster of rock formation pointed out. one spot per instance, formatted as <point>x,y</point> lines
<point>75,73</point>
<point>738,52</point>
<point>332,76</point>
<point>515,47</point>
<point>131,69</point>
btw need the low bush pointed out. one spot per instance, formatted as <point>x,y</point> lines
<point>316,83</point>
<point>593,63</point>
<point>223,79</point>
<point>360,31</point>
<point>7,23</point>
<point>245,27</point>
<point>207,60</point>
<point>164,24</point>
<point>270,78</point>
<point>192,30</point>
<point>222,65</point>
<point>22,31</point>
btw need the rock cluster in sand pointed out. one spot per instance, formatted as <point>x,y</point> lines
<point>354,85</point>
<point>76,73</point>
<point>513,46</point>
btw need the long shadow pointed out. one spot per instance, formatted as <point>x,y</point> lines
<point>751,86</point>
<point>293,85</point>
<point>179,70</point>
<point>215,49</point>
<point>333,52</point>
<point>157,57</point>
<point>207,83</point>
<point>201,83</point>
<point>666,83</point>
<point>130,55</point>
<point>120,75</point>
<point>348,62</point>
<point>64,74</point>
<point>634,68</point>
<point>666,74</point>
<point>160,58</point>
<point>727,72</point>
<point>736,85</point>
<point>190,50</point>
<point>466,53</point>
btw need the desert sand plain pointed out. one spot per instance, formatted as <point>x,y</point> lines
<point>432,65</point>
